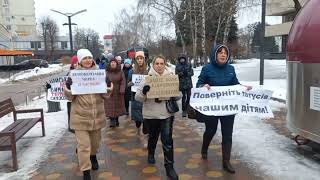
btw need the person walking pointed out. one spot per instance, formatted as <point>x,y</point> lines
<point>218,73</point>
<point>140,68</point>
<point>159,120</point>
<point>126,68</point>
<point>87,118</point>
<point>114,106</point>
<point>185,73</point>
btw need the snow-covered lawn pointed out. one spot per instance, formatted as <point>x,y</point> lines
<point>33,148</point>
<point>36,72</point>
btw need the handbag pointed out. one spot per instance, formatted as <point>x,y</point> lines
<point>194,114</point>
<point>172,106</point>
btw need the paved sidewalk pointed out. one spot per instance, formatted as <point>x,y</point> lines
<point>122,156</point>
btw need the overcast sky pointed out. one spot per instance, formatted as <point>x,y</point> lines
<point>100,13</point>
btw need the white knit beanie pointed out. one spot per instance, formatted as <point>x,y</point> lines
<point>82,53</point>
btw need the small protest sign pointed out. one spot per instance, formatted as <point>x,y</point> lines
<point>137,79</point>
<point>163,86</point>
<point>55,93</point>
<point>88,82</point>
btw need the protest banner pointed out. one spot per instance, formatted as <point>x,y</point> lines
<point>88,82</point>
<point>55,93</point>
<point>137,79</point>
<point>228,100</point>
<point>163,86</point>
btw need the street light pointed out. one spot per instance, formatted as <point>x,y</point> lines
<point>262,43</point>
<point>69,15</point>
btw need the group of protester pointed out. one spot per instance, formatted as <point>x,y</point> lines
<point>87,113</point>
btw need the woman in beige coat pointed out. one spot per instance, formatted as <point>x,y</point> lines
<point>87,118</point>
<point>158,118</point>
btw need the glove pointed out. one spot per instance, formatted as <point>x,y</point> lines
<point>48,86</point>
<point>69,83</point>
<point>145,89</point>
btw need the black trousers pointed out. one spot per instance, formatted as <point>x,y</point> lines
<point>144,126</point>
<point>163,127</point>
<point>211,123</point>
<point>69,110</point>
<point>185,99</point>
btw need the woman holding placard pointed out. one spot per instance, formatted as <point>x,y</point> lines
<point>139,68</point>
<point>218,73</point>
<point>87,118</point>
<point>158,118</point>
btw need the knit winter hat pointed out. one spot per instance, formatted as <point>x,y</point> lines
<point>139,53</point>
<point>82,53</point>
<point>127,61</point>
<point>74,60</point>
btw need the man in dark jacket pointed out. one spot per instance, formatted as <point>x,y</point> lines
<point>218,73</point>
<point>185,72</point>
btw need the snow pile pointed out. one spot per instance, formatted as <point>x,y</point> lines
<point>33,148</point>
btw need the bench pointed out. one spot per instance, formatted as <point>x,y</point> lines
<point>11,134</point>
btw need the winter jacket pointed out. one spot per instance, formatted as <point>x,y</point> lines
<point>114,106</point>
<point>152,109</point>
<point>215,74</point>
<point>87,111</point>
<point>185,72</point>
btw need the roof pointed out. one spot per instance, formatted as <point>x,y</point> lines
<point>8,52</point>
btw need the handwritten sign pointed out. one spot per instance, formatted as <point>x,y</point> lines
<point>88,82</point>
<point>163,86</point>
<point>137,79</point>
<point>55,93</point>
<point>229,100</point>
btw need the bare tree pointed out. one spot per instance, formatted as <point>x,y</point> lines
<point>49,31</point>
<point>89,39</point>
<point>169,9</point>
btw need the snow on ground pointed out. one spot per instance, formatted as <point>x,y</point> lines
<point>53,68</point>
<point>33,148</point>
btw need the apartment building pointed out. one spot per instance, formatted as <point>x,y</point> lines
<point>18,16</point>
<point>285,9</point>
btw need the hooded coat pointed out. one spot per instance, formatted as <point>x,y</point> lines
<point>114,106</point>
<point>215,74</point>
<point>185,72</point>
<point>87,111</point>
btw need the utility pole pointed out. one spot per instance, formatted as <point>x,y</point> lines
<point>69,15</point>
<point>263,26</point>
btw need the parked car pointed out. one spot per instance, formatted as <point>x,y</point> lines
<point>32,63</point>
<point>26,64</point>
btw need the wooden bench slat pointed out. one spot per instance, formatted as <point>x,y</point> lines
<point>6,109</point>
<point>20,127</point>
<point>7,101</point>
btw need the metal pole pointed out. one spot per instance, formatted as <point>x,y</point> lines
<point>263,26</point>
<point>70,34</point>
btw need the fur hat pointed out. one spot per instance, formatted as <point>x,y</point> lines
<point>82,53</point>
<point>139,53</point>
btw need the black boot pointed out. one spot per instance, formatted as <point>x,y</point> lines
<point>204,148</point>
<point>151,159</point>
<point>226,152</point>
<point>171,173</point>
<point>117,121</point>
<point>94,162</point>
<point>86,175</point>
<point>112,122</point>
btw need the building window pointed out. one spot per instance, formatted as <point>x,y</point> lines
<point>35,44</point>
<point>8,19</point>
<point>22,18</point>
<point>5,2</point>
<point>9,27</point>
<point>64,45</point>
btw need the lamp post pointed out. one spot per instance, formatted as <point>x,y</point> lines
<point>263,26</point>
<point>69,15</point>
